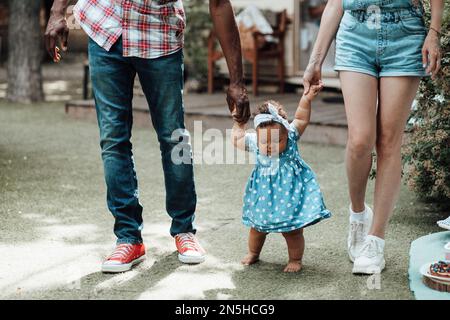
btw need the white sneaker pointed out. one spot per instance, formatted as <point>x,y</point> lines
<point>124,257</point>
<point>371,259</point>
<point>445,224</point>
<point>189,249</point>
<point>357,233</point>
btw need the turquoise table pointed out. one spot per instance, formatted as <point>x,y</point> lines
<point>426,249</point>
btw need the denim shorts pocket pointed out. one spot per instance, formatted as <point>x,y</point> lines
<point>348,22</point>
<point>412,25</point>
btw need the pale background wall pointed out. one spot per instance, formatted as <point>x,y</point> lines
<point>276,5</point>
<point>291,74</point>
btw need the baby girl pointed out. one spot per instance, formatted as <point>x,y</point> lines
<point>282,194</point>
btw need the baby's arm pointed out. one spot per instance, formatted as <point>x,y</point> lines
<point>303,112</point>
<point>302,115</point>
<point>238,135</point>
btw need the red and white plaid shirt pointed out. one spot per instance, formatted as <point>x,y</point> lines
<point>149,28</point>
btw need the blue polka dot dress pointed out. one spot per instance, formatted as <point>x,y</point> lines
<point>282,193</point>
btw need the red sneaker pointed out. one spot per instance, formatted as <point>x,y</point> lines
<point>125,256</point>
<point>189,249</point>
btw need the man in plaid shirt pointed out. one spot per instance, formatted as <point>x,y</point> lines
<point>145,37</point>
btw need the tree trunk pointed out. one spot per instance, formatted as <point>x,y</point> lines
<point>24,54</point>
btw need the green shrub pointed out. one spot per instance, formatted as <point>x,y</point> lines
<point>198,27</point>
<point>426,156</point>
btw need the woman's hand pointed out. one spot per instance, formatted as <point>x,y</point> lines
<point>314,91</point>
<point>312,76</point>
<point>431,53</point>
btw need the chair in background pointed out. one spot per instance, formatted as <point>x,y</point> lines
<point>255,49</point>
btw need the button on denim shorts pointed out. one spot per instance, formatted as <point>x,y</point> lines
<point>382,42</point>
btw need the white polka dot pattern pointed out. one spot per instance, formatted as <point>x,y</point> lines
<point>282,190</point>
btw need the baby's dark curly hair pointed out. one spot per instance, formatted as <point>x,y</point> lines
<point>264,108</point>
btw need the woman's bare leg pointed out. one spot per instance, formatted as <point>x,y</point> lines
<point>255,243</point>
<point>360,96</point>
<point>296,246</point>
<point>396,96</point>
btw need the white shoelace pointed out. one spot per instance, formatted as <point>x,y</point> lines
<point>121,251</point>
<point>188,241</point>
<point>357,232</point>
<point>370,248</point>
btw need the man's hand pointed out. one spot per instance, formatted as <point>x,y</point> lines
<point>57,31</point>
<point>238,104</point>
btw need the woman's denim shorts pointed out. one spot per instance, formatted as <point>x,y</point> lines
<point>383,44</point>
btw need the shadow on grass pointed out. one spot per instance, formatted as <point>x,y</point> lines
<point>98,285</point>
<point>142,278</point>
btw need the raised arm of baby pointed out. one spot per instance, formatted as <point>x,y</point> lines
<point>238,135</point>
<point>303,112</point>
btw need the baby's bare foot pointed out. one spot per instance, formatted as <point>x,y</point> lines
<point>250,258</point>
<point>293,266</point>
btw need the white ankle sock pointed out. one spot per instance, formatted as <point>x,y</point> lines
<point>357,216</point>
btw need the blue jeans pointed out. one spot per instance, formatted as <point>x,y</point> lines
<point>386,41</point>
<point>112,77</point>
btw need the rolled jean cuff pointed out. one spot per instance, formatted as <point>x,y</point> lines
<point>176,230</point>
<point>128,240</point>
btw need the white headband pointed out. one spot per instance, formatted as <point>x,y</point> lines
<point>273,116</point>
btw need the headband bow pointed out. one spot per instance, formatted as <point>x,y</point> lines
<point>273,116</point>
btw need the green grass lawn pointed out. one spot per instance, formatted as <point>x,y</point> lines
<point>55,227</point>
